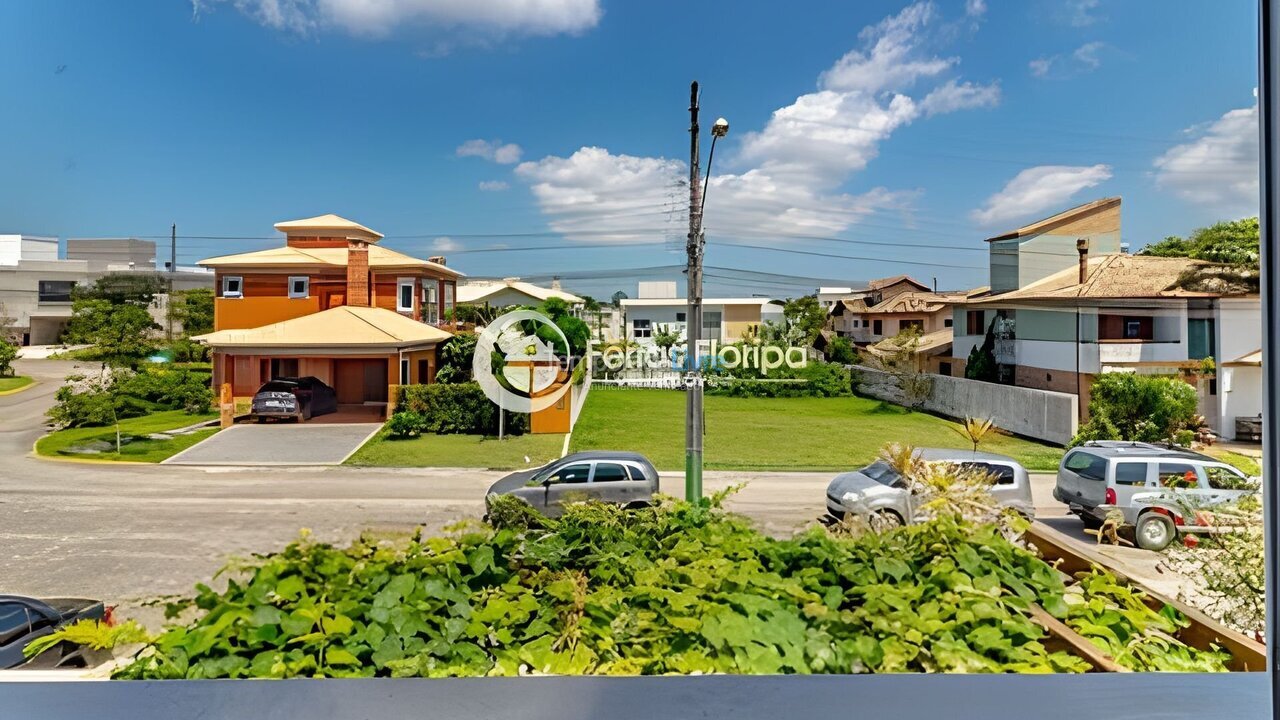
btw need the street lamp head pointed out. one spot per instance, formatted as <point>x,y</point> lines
<point>721,128</point>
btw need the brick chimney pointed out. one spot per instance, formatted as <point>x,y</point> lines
<point>1082,247</point>
<point>357,272</point>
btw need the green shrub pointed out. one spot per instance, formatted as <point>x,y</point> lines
<point>8,353</point>
<point>1144,408</point>
<point>172,388</point>
<point>96,402</point>
<point>461,408</point>
<point>407,424</point>
<point>820,379</point>
<point>455,358</point>
<point>186,350</point>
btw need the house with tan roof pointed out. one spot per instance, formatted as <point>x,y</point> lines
<point>511,291</point>
<point>1107,311</point>
<point>330,303</point>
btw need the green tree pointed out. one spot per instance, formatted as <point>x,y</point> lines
<point>456,357</point>
<point>666,337</point>
<point>1234,242</point>
<point>128,288</point>
<point>8,353</point>
<point>804,317</point>
<point>193,310</point>
<point>981,363</point>
<point>841,351</point>
<point>122,334</point>
<point>1143,408</point>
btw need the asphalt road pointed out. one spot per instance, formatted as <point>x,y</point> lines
<point>129,533</point>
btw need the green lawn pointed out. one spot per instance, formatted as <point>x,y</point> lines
<point>1243,463</point>
<point>139,447</point>
<point>774,433</point>
<point>474,451</point>
<point>9,384</point>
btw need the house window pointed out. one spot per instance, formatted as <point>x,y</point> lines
<point>1126,327</point>
<point>299,285</point>
<point>404,295</point>
<point>944,368</point>
<point>973,322</point>
<point>1132,329</point>
<point>877,327</point>
<point>55,290</point>
<point>448,298</point>
<point>404,371</point>
<point>641,328</point>
<point>232,286</point>
<point>711,325</point>
<point>947,322</point>
<point>430,309</point>
<point>909,324</point>
<point>680,317</point>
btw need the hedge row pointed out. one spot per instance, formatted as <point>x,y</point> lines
<point>450,409</point>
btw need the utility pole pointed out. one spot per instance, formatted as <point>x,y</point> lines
<point>173,268</point>
<point>693,315</point>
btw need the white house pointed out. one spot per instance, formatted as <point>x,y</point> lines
<point>725,320</point>
<point>511,291</point>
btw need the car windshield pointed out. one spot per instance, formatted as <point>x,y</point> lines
<point>278,387</point>
<point>882,473</point>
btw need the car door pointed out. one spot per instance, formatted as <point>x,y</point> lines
<point>1185,482</point>
<point>565,485</point>
<point>1128,478</point>
<point>15,632</point>
<point>1083,479</point>
<point>611,483</point>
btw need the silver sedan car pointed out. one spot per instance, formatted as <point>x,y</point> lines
<point>878,491</point>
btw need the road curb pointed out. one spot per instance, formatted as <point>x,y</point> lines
<point>17,390</point>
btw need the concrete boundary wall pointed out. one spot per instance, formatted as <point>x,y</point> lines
<point>1041,414</point>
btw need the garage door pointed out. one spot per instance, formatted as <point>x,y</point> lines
<point>360,380</point>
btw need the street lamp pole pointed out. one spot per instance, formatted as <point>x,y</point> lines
<point>693,425</point>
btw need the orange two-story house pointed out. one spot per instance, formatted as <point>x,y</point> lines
<point>332,304</point>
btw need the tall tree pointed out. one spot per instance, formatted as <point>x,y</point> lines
<point>193,310</point>
<point>1235,242</point>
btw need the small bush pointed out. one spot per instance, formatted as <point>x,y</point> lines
<point>1145,408</point>
<point>462,408</point>
<point>96,402</point>
<point>8,353</point>
<point>407,424</point>
<point>821,379</point>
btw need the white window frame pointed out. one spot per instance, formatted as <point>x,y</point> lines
<point>401,284</point>
<point>648,328</point>
<point>239,282</point>
<point>431,308</point>
<point>306,287</point>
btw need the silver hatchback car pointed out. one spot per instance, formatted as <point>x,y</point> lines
<point>878,491</point>
<point>625,478</point>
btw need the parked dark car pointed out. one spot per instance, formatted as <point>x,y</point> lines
<point>296,398</point>
<point>625,478</point>
<point>23,619</point>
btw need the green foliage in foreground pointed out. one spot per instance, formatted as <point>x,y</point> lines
<point>677,589</point>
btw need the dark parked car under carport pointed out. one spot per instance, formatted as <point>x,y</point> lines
<point>295,398</point>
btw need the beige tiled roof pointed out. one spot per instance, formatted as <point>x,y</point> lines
<point>886,282</point>
<point>1053,220</point>
<point>328,223</point>
<point>1112,276</point>
<point>379,257</point>
<point>345,326</point>
<point>930,343</point>
<point>477,292</point>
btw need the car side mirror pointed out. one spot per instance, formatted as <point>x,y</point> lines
<point>546,483</point>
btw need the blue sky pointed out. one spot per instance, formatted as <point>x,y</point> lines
<point>907,133</point>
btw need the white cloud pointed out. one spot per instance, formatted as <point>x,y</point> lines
<point>954,96</point>
<point>1079,13</point>
<point>1219,168</point>
<point>495,150</point>
<point>786,177</point>
<point>1038,189</point>
<point>975,8</point>
<point>445,243</point>
<point>377,18</point>
<point>493,185</point>
<point>1084,59</point>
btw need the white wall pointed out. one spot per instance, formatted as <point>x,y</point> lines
<point>1239,327</point>
<point>14,248</point>
<point>1240,395</point>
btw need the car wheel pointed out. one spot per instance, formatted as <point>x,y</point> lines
<point>1155,531</point>
<point>636,505</point>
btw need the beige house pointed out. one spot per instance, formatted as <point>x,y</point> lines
<point>511,291</point>
<point>892,305</point>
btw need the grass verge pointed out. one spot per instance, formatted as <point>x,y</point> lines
<point>13,384</point>
<point>471,451</point>
<point>70,443</point>
<point>824,434</point>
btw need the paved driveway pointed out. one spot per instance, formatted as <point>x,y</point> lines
<point>278,444</point>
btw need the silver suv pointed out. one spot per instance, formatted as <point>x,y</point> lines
<point>1157,488</point>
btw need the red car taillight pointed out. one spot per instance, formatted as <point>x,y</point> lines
<point>1111,496</point>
